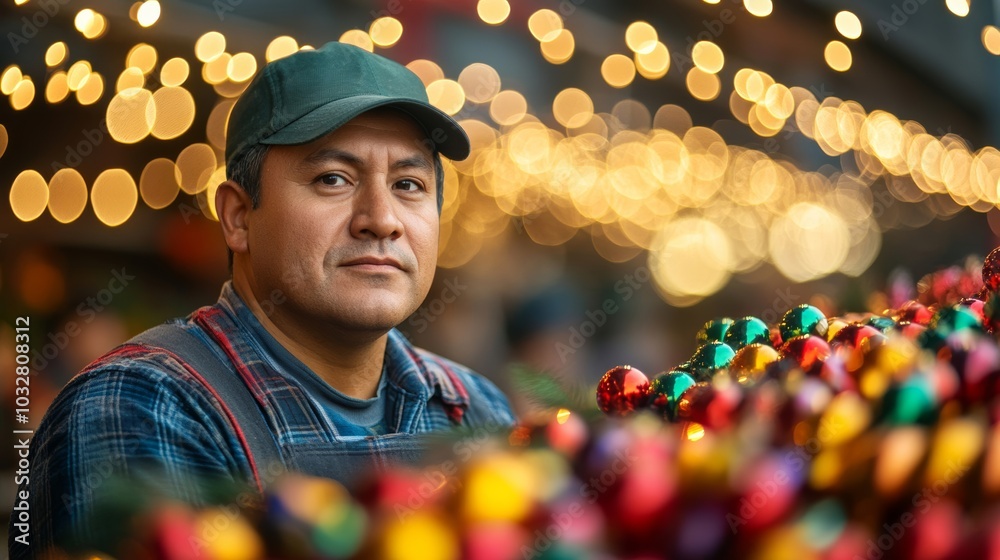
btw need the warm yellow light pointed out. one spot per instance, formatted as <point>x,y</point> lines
<point>572,108</point>
<point>141,56</point>
<point>759,8</point>
<point>159,183</point>
<point>56,53</point>
<point>560,48</point>
<point>148,13</point>
<point>641,37</point>
<point>218,119</point>
<point>426,70</point>
<point>130,77</point>
<point>708,56</point>
<point>508,107</point>
<point>10,78</point>
<point>90,23</point>
<point>838,56</point>
<point>358,38</point>
<point>385,31</point>
<point>174,112</point>
<point>3,139</point>
<point>241,67</point>
<point>131,114</point>
<point>23,94</point>
<point>113,197</point>
<point>91,90</point>
<point>958,7</point>
<point>195,164</point>
<point>57,89</point>
<point>174,72</point>
<point>618,70</point>
<point>481,82</point>
<point>67,195</point>
<point>848,24</point>
<point>991,39</point>
<point>210,46</point>
<point>493,12</point>
<point>544,25</point>
<point>77,73</point>
<point>446,95</point>
<point>702,85</point>
<point>216,71</point>
<point>29,195</point>
<point>654,64</point>
<point>280,47</point>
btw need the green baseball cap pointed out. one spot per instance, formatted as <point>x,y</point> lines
<point>303,96</point>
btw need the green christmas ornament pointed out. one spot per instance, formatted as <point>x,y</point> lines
<point>881,323</point>
<point>911,402</point>
<point>955,318</point>
<point>665,392</point>
<point>748,330</point>
<point>709,359</point>
<point>714,330</point>
<point>803,319</point>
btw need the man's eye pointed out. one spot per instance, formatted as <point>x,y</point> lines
<point>408,185</point>
<point>332,179</point>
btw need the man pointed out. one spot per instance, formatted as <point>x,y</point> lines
<point>331,214</point>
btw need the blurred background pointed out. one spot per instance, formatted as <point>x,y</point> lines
<point>638,167</point>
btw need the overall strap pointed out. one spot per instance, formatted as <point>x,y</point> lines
<point>239,404</point>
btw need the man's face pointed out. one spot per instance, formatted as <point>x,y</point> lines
<point>347,226</point>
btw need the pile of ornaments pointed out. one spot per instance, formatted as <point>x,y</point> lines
<point>821,438</point>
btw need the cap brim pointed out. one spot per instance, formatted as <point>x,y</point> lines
<point>446,135</point>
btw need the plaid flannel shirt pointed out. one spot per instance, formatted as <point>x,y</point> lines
<point>137,407</point>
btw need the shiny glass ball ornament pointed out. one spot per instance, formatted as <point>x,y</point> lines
<point>991,270</point>
<point>881,323</point>
<point>749,365</point>
<point>855,335</point>
<point>915,312</point>
<point>803,319</point>
<point>665,392</point>
<point>710,359</point>
<point>909,330</point>
<point>991,312</point>
<point>911,402</point>
<point>712,406</point>
<point>714,330</point>
<point>836,324</point>
<point>622,391</point>
<point>954,318</point>
<point>976,306</point>
<point>808,351</point>
<point>745,331</point>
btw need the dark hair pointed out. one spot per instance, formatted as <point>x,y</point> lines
<point>246,171</point>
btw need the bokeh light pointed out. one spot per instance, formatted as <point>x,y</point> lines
<point>545,24</point>
<point>280,47</point>
<point>493,12</point>
<point>29,195</point>
<point>385,31</point>
<point>148,13</point>
<point>838,56</point>
<point>848,24</point>
<point>67,195</point>
<point>131,115</point>
<point>113,197</point>
<point>56,54</point>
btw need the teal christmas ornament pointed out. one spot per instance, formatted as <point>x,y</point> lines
<point>714,330</point>
<point>710,359</point>
<point>665,391</point>
<point>955,318</point>
<point>745,331</point>
<point>803,319</point>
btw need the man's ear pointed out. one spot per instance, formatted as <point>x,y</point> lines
<point>233,206</point>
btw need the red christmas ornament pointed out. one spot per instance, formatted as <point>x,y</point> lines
<point>855,335</point>
<point>991,270</point>
<point>915,312</point>
<point>808,351</point>
<point>622,391</point>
